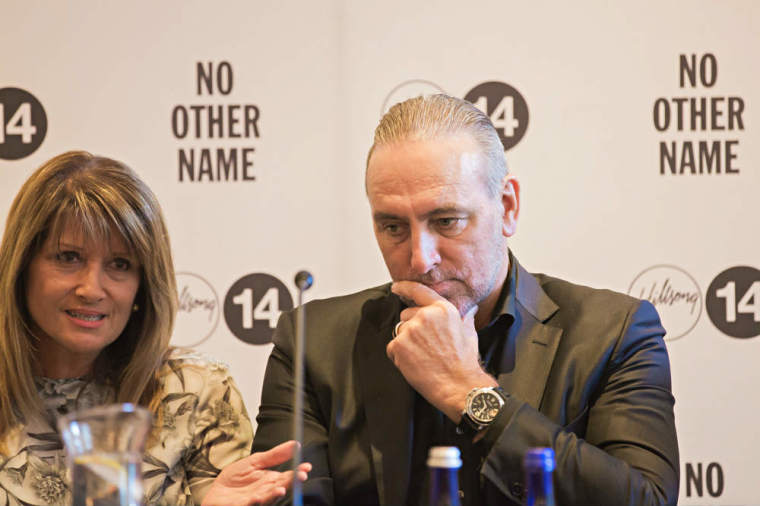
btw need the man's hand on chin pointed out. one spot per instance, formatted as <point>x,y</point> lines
<point>436,349</point>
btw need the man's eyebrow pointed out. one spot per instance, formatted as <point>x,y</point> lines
<point>380,216</point>
<point>438,211</point>
<point>452,209</point>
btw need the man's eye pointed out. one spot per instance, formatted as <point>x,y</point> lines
<point>393,229</point>
<point>450,224</point>
<point>67,257</point>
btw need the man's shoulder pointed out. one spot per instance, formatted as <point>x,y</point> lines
<point>336,322</point>
<point>579,300</point>
<point>599,314</point>
<point>353,300</point>
<point>563,289</point>
<point>341,315</point>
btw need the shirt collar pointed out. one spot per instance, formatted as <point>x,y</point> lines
<point>505,304</point>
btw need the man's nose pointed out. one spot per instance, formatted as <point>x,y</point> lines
<point>90,285</point>
<point>425,255</point>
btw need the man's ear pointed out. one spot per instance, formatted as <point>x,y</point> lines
<point>510,199</point>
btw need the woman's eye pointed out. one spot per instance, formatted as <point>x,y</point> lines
<point>122,264</point>
<point>67,257</point>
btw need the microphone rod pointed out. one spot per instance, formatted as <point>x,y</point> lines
<point>303,281</point>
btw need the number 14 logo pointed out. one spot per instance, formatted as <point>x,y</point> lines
<point>748,304</point>
<point>502,116</point>
<point>733,301</point>
<point>20,123</point>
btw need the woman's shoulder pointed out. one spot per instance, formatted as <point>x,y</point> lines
<point>186,369</point>
<point>188,357</point>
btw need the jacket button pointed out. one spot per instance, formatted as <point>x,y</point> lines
<point>517,490</point>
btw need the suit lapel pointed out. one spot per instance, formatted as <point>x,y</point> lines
<point>388,401</point>
<point>535,342</point>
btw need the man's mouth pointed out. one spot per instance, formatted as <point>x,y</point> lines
<point>438,284</point>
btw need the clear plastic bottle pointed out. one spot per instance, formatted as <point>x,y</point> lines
<point>443,464</point>
<point>539,465</point>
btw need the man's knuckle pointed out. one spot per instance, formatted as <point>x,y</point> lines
<point>427,314</point>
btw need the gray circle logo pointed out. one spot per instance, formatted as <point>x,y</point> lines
<point>410,89</point>
<point>23,123</point>
<point>198,312</point>
<point>674,293</point>
<point>733,302</point>
<point>505,106</point>
<point>253,305</point>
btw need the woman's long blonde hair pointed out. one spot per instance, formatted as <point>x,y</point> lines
<point>95,193</point>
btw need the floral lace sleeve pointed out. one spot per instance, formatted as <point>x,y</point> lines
<point>202,414</point>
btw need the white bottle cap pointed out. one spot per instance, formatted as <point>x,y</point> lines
<point>444,456</point>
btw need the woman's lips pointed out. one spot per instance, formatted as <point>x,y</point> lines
<point>89,319</point>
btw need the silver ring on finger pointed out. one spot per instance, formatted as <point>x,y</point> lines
<point>397,328</point>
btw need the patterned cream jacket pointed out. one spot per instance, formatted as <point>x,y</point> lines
<point>203,427</point>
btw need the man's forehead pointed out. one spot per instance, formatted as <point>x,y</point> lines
<point>452,159</point>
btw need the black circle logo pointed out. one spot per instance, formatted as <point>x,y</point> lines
<point>252,306</point>
<point>733,302</point>
<point>23,123</point>
<point>505,106</point>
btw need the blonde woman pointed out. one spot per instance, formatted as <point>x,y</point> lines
<point>87,305</point>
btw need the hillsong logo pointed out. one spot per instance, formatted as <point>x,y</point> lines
<point>219,124</point>
<point>502,103</point>
<point>702,131</point>
<point>410,89</point>
<point>23,123</point>
<point>674,293</point>
<point>198,312</point>
<point>253,305</point>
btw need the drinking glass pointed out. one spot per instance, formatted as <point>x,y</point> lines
<point>104,447</point>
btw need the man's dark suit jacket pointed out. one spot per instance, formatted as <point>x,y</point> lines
<point>591,380</point>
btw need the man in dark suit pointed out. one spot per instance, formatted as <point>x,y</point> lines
<point>396,369</point>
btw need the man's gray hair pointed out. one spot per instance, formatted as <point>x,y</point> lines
<point>434,116</point>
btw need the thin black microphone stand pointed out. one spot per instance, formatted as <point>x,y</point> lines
<point>303,282</point>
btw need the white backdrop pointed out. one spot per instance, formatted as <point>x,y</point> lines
<point>598,207</point>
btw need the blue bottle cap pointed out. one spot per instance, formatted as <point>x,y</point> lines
<point>444,456</point>
<point>539,458</point>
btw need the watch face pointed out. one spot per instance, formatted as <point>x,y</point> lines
<point>485,406</point>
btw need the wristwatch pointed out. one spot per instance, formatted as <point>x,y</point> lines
<point>481,407</point>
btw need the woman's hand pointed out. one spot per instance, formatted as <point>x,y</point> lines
<point>249,482</point>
